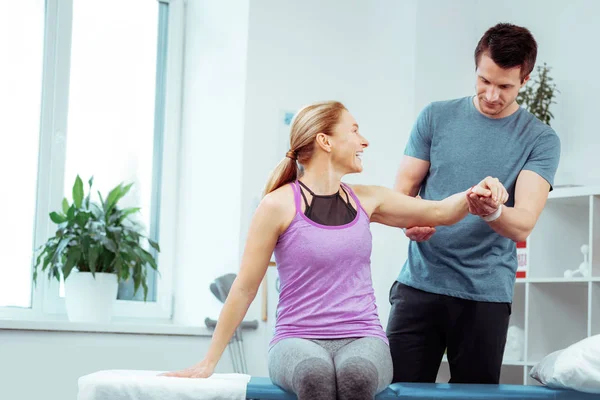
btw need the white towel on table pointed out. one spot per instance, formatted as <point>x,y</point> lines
<point>147,385</point>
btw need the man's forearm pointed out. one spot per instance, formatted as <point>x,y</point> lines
<point>514,223</point>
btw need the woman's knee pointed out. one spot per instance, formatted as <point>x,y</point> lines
<point>357,378</point>
<point>314,378</point>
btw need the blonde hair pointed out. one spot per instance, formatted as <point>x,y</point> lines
<point>307,123</point>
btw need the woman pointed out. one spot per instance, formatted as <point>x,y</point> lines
<point>328,339</point>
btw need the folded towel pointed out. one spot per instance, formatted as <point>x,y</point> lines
<point>147,385</point>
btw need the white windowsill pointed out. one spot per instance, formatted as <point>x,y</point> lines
<point>125,327</point>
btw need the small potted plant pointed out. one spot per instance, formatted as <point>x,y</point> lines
<point>95,246</point>
<point>539,94</point>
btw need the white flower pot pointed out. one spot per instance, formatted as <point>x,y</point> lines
<point>90,299</point>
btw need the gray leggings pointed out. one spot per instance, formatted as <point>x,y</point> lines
<point>323,369</point>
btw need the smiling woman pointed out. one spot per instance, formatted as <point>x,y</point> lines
<point>328,338</point>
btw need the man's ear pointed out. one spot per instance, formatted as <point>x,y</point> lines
<point>324,142</point>
<point>525,80</point>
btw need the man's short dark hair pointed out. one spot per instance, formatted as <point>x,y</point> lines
<point>509,46</point>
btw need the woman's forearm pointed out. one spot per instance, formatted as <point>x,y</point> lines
<point>235,308</point>
<point>452,209</point>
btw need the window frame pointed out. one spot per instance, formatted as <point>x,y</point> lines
<point>46,302</point>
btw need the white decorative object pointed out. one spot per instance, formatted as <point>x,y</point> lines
<point>90,299</point>
<point>584,267</point>
<point>515,343</point>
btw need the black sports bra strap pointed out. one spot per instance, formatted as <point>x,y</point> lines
<point>304,196</point>
<point>306,187</point>
<point>346,193</point>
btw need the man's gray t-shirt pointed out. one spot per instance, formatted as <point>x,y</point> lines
<point>469,259</point>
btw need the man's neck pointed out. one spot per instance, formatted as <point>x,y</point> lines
<point>510,110</point>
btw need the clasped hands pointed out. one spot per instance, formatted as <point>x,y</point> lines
<point>487,197</point>
<point>484,200</point>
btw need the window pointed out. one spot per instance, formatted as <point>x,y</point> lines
<point>112,94</point>
<point>93,86</point>
<point>20,102</point>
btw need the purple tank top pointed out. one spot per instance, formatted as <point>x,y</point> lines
<point>326,291</point>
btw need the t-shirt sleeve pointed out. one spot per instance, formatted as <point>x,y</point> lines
<point>419,141</point>
<point>545,156</point>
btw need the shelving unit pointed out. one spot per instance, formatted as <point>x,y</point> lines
<point>555,311</point>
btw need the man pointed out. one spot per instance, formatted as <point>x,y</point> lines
<point>455,290</point>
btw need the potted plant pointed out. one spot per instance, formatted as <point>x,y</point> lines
<point>539,94</point>
<point>95,246</point>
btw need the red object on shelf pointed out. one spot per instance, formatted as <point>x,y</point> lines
<point>522,259</point>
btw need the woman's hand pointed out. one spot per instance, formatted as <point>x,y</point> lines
<point>203,369</point>
<point>486,205</point>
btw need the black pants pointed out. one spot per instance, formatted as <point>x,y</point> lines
<point>422,325</point>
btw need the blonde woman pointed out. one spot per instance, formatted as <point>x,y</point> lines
<point>328,342</point>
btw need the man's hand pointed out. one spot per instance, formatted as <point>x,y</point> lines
<point>419,233</point>
<point>201,370</point>
<point>483,206</point>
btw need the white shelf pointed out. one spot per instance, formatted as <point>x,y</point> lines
<point>555,311</point>
<point>574,191</point>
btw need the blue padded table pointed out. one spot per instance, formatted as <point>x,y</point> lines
<point>263,389</point>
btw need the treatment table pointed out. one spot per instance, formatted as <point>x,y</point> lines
<point>260,388</point>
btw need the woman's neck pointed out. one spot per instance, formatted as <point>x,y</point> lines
<point>321,181</point>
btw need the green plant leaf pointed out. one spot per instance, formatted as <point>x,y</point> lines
<point>59,250</point>
<point>50,250</point>
<point>96,211</point>
<point>94,252</point>
<point>57,218</point>
<point>122,268</point>
<point>108,262</point>
<point>82,218</point>
<point>87,198</point>
<point>145,286</point>
<point>85,248</point>
<point>102,203</point>
<point>72,259</point>
<point>154,245</point>
<point>65,206</point>
<point>137,279</point>
<point>39,257</point>
<point>71,213</point>
<point>113,197</point>
<point>126,189</point>
<point>78,192</point>
<point>146,257</point>
<point>127,212</point>
<point>109,244</point>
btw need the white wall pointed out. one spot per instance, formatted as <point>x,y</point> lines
<point>211,153</point>
<point>446,38</point>
<point>38,365</point>
<point>567,41</point>
<point>211,163</point>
